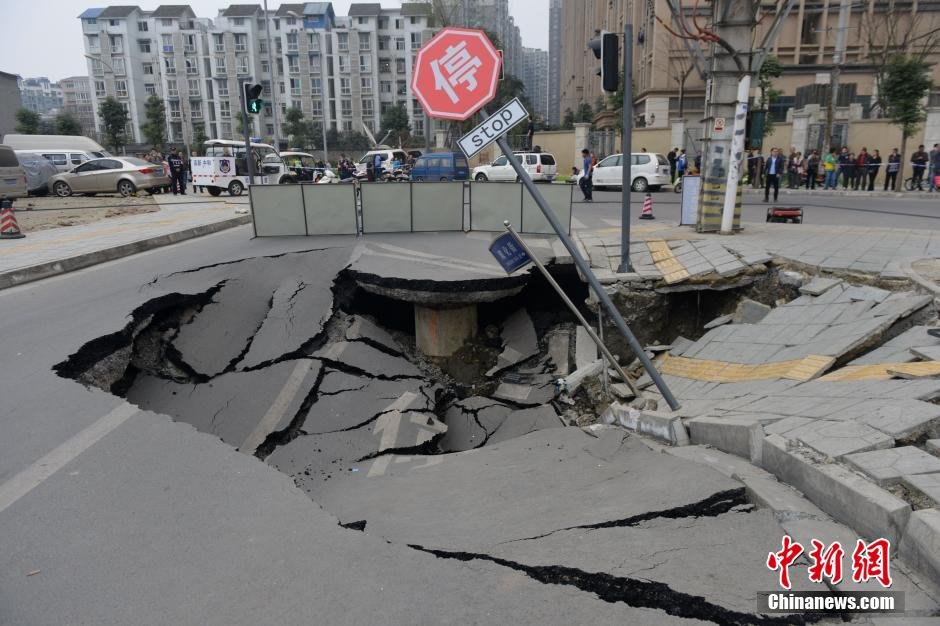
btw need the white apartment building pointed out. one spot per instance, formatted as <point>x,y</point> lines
<point>344,71</point>
<point>535,77</point>
<point>40,95</point>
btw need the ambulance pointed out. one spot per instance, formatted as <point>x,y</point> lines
<point>224,168</point>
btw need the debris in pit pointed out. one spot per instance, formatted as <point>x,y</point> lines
<point>519,341</point>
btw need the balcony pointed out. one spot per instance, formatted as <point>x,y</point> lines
<point>189,49</point>
<point>170,71</point>
<point>242,71</point>
<point>293,70</point>
<point>173,93</point>
<point>117,49</point>
<point>241,47</point>
<point>176,115</point>
<point>196,114</point>
<point>167,49</point>
<point>223,92</point>
<point>292,48</point>
<point>220,47</point>
<point>192,71</point>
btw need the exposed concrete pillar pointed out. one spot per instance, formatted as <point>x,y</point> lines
<point>441,331</point>
<point>582,136</point>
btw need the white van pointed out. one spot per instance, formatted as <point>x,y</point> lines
<point>388,156</point>
<point>63,159</point>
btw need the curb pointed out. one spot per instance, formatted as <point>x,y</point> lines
<point>839,193</point>
<point>22,275</point>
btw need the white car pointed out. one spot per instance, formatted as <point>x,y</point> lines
<point>388,156</point>
<point>539,165</point>
<point>649,172</point>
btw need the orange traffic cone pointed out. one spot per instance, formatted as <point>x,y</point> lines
<point>647,213</point>
<point>9,229</point>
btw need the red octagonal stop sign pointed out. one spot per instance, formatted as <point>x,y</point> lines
<point>456,73</point>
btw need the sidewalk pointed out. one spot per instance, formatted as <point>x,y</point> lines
<point>840,192</point>
<point>59,250</point>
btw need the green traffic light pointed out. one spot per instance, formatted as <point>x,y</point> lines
<point>255,106</point>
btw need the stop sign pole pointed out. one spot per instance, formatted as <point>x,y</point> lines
<point>462,48</point>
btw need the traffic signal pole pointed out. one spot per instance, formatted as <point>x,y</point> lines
<point>626,149</point>
<point>248,160</point>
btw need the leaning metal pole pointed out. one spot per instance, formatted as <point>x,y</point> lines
<point>574,310</point>
<point>585,271</point>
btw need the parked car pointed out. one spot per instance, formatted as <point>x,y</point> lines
<point>12,175</point>
<point>389,156</point>
<point>648,171</point>
<point>39,171</point>
<point>539,165</point>
<point>441,166</point>
<point>123,175</point>
<point>63,159</point>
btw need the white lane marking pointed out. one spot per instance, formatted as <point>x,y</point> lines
<point>387,424</point>
<point>35,474</point>
<point>277,409</point>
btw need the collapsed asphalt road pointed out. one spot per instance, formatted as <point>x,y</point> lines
<point>271,356</point>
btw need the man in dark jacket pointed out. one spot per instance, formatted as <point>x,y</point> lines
<point>773,170</point>
<point>812,168</point>
<point>891,171</point>
<point>671,157</point>
<point>919,161</point>
<point>177,172</point>
<point>874,164</point>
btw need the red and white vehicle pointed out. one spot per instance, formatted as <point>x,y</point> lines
<point>224,167</point>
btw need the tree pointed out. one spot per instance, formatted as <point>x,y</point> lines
<point>300,129</point>
<point>585,113</point>
<point>199,138</point>
<point>395,120</point>
<point>771,69</point>
<point>113,123</point>
<point>567,122</point>
<point>66,124</point>
<point>154,129</point>
<point>27,122</point>
<point>906,84</point>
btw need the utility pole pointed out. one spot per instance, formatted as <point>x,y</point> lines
<point>274,87</point>
<point>626,149</point>
<point>838,55</point>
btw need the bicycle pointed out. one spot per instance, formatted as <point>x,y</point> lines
<point>921,185</point>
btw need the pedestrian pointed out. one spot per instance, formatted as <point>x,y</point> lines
<point>935,167</point>
<point>682,164</point>
<point>752,166</point>
<point>812,169</point>
<point>874,164</point>
<point>530,133</point>
<point>791,169</point>
<point>177,172</point>
<point>794,170</point>
<point>919,161</point>
<point>841,170</point>
<point>931,170</point>
<point>698,162</point>
<point>861,170</point>
<point>759,171</point>
<point>377,168</point>
<point>587,169</point>
<point>850,177</point>
<point>891,171</point>
<point>831,169</point>
<point>774,170</point>
<point>671,157</point>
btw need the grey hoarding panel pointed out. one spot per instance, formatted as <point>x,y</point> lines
<point>491,203</point>
<point>330,209</point>
<point>386,207</point>
<point>558,198</point>
<point>277,210</point>
<point>437,206</point>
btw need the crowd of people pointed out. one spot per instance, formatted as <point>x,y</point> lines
<point>175,165</point>
<point>840,168</point>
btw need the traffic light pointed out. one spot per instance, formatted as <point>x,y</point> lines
<point>253,101</point>
<point>605,47</point>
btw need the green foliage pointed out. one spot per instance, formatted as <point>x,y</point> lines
<point>567,121</point>
<point>199,138</point>
<point>113,124</point>
<point>27,122</point>
<point>906,83</point>
<point>154,129</point>
<point>771,69</point>
<point>395,119</point>
<point>66,124</point>
<point>301,131</point>
<point>585,113</point>
<point>351,140</point>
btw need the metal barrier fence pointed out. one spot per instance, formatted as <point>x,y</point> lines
<point>347,209</point>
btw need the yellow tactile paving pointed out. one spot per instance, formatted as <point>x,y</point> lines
<point>807,368</point>
<point>884,371</point>
<point>666,262</point>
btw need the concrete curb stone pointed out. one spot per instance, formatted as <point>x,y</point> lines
<point>920,546</point>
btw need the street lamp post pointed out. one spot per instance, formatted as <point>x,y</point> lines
<point>267,29</point>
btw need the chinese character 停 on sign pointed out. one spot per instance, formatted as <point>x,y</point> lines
<point>455,67</point>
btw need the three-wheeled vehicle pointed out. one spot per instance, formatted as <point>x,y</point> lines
<point>224,167</point>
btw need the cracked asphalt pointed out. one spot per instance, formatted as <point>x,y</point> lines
<point>225,443</point>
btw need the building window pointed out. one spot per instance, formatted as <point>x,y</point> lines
<point>169,65</point>
<point>172,91</point>
<point>118,66</point>
<point>193,84</point>
<point>175,112</point>
<point>220,65</point>
<point>365,84</point>
<point>117,44</point>
<point>362,20</point>
<point>189,43</point>
<point>385,66</point>
<point>223,90</point>
<point>385,86</point>
<point>317,108</point>
<point>314,41</point>
<point>415,41</point>
<point>241,65</point>
<point>342,42</point>
<point>347,126</point>
<point>144,45</point>
<point>414,20</point>
<point>142,27</point>
<point>365,63</point>
<point>316,87</point>
<point>292,42</point>
<point>295,86</point>
<point>399,43</point>
<point>166,21</point>
<point>225,109</point>
<point>291,21</point>
<point>293,65</point>
<point>401,88</point>
<point>93,44</point>
<point>399,66</point>
<point>265,66</point>
<point>345,107</point>
<point>343,64</point>
<point>192,67</point>
<point>120,88</point>
<point>238,21</point>
<point>365,42</point>
<point>241,42</point>
<point>99,89</point>
<point>367,107</point>
<point>399,23</point>
<point>218,42</point>
<point>195,110</point>
<point>344,87</point>
<point>114,22</point>
<point>383,23</point>
<point>150,89</point>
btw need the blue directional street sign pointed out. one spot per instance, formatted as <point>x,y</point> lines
<point>509,253</point>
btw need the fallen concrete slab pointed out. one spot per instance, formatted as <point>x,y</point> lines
<point>887,467</point>
<point>519,341</point>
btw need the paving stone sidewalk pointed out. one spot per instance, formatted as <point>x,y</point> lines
<point>57,250</point>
